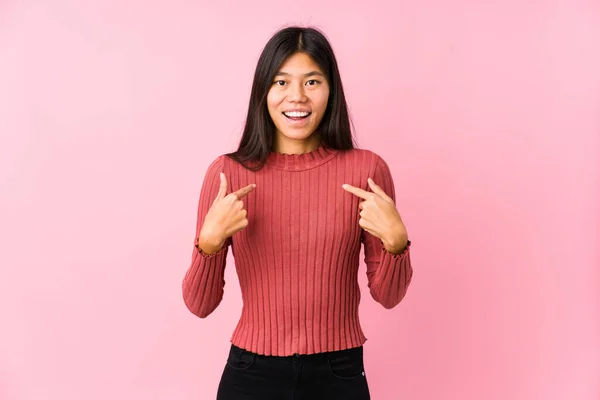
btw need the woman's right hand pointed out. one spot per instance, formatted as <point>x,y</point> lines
<point>225,217</point>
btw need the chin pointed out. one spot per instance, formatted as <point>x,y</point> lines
<point>297,135</point>
<point>300,137</point>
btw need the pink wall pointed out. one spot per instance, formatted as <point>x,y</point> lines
<point>487,114</point>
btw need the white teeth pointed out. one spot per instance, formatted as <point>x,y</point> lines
<point>296,114</point>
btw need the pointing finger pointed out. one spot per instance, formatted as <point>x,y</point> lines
<point>241,193</point>
<point>357,191</point>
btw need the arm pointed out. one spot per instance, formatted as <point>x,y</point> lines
<point>204,280</point>
<point>389,274</point>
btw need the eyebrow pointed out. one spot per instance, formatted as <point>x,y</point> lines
<point>311,73</point>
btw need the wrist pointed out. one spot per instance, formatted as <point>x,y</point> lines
<point>210,244</point>
<point>397,243</point>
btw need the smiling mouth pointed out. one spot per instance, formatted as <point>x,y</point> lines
<point>296,116</point>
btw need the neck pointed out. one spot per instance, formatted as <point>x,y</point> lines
<point>291,146</point>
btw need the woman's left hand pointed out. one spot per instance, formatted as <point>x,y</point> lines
<point>380,217</point>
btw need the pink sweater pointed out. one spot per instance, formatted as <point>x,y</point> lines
<point>298,258</point>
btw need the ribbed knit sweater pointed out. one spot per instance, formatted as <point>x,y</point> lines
<point>297,260</point>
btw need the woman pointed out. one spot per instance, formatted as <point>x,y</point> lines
<point>294,203</point>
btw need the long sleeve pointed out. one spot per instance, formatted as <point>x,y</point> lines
<point>204,280</point>
<point>296,260</point>
<point>389,275</point>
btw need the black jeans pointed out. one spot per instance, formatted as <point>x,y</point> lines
<point>333,375</point>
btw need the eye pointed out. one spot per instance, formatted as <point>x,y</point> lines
<point>279,83</point>
<point>312,80</point>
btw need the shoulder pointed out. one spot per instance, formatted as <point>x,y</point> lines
<point>223,161</point>
<point>365,158</point>
<point>217,165</point>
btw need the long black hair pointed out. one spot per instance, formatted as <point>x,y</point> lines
<point>259,131</point>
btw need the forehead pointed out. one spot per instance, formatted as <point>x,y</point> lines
<point>299,63</point>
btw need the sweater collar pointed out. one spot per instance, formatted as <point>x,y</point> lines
<point>301,162</point>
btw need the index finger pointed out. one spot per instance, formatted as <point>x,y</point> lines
<point>241,193</point>
<point>363,194</point>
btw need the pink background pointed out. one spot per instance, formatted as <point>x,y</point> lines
<point>488,115</point>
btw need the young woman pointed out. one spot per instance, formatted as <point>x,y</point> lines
<point>295,202</point>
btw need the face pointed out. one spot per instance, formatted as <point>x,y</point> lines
<point>297,99</point>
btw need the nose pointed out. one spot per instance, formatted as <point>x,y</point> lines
<point>296,92</point>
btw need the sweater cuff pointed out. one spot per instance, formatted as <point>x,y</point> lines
<point>397,256</point>
<point>203,254</point>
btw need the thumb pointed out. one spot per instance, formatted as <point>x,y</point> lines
<point>222,187</point>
